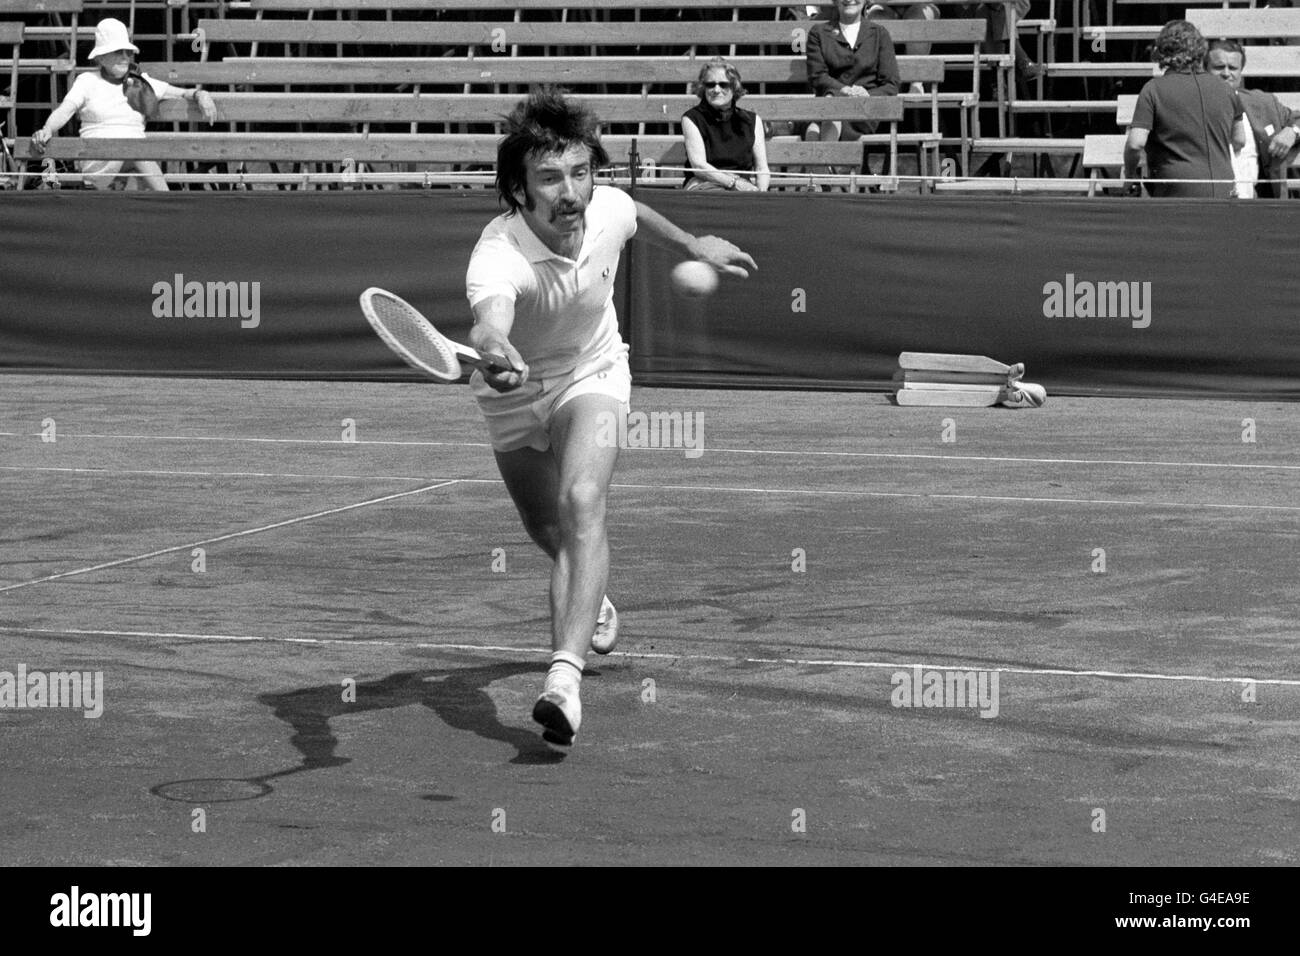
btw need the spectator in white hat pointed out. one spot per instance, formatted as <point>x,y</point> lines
<point>113,103</point>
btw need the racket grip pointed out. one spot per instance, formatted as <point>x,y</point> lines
<point>491,360</point>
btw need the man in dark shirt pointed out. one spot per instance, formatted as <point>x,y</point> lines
<point>1186,121</point>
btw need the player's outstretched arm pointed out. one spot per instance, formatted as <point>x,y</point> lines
<point>719,253</point>
<point>493,319</point>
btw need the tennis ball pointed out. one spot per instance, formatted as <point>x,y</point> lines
<point>694,279</point>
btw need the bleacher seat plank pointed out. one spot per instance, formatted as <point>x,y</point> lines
<point>418,148</point>
<point>395,71</point>
<point>305,6</point>
<point>1127,104</point>
<point>1262,24</point>
<point>486,33</point>
<point>1063,106</point>
<point>490,108</point>
<point>1028,144</point>
<point>8,7</point>
<point>1278,61</point>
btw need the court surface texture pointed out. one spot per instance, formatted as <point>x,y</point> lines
<point>320,623</point>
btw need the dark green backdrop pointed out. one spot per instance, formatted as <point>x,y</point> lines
<point>845,283</point>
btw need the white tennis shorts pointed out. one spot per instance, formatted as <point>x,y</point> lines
<point>522,418</point>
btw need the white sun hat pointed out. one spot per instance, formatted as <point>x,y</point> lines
<point>112,35</point>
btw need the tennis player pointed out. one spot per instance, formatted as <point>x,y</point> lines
<point>541,285</point>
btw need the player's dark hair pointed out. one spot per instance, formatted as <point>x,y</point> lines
<point>544,124</point>
<point>1227,46</point>
<point>1180,48</point>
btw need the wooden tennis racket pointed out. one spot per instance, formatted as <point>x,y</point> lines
<point>413,337</point>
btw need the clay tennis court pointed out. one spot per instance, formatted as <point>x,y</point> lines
<point>769,589</point>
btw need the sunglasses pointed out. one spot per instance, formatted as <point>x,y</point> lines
<point>721,86</point>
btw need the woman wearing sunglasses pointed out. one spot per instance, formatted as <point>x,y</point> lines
<point>725,146</point>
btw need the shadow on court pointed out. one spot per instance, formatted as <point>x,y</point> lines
<point>457,695</point>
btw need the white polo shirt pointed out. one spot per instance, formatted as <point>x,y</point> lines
<point>564,309</point>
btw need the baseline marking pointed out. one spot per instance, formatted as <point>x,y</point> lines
<point>226,537</point>
<point>712,658</point>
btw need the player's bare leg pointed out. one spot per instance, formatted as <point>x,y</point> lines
<point>582,563</point>
<point>561,495</point>
<point>533,479</point>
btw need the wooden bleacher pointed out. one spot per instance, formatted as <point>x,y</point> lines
<point>1126,105</point>
<point>424,93</point>
<point>575,73</point>
<point>1272,61</point>
<point>454,148</point>
<point>788,34</point>
<point>1246,24</point>
<point>365,108</point>
<point>350,151</point>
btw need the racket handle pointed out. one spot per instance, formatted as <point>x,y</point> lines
<point>491,360</point>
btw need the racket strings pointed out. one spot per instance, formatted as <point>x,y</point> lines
<point>410,333</point>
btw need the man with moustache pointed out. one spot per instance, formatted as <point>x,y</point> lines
<point>541,283</point>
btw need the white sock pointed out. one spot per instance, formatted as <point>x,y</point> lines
<point>566,671</point>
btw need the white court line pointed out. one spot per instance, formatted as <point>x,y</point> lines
<point>226,537</point>
<point>956,497</point>
<point>714,450</point>
<point>813,492</point>
<point>711,658</point>
<point>266,441</point>
<point>231,474</point>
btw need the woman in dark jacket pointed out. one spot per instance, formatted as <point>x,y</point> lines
<point>850,56</point>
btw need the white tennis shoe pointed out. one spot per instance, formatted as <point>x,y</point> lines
<point>559,711</point>
<point>606,635</point>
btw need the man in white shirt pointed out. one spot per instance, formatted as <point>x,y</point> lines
<point>541,284</point>
<point>112,103</point>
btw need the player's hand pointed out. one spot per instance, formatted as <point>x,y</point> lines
<point>1282,143</point>
<point>743,185</point>
<point>40,138</point>
<point>505,381</point>
<point>723,256</point>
